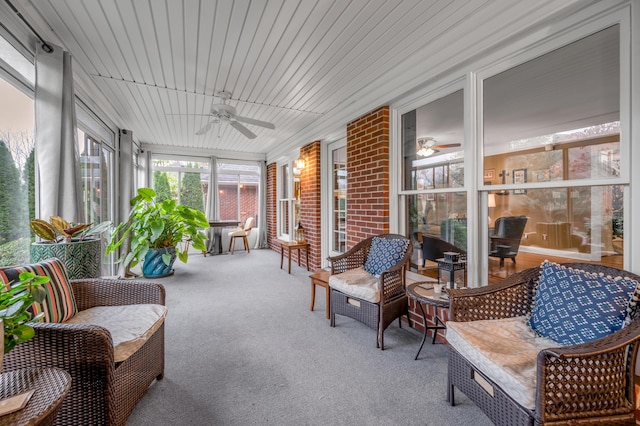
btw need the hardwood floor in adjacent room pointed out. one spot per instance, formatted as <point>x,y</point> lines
<point>526,260</point>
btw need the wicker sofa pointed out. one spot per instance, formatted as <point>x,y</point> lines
<point>104,387</point>
<point>584,383</point>
<point>375,300</point>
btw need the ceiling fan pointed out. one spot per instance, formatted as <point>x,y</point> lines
<point>429,146</point>
<point>224,112</point>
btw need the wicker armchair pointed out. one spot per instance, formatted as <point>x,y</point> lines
<point>102,392</point>
<point>391,284</point>
<point>586,383</point>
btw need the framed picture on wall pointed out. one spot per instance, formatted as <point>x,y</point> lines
<point>519,177</point>
<point>489,174</point>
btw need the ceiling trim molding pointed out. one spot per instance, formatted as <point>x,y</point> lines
<point>197,152</point>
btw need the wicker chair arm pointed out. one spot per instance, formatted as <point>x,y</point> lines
<point>72,347</point>
<point>106,292</point>
<point>352,258</point>
<point>585,380</point>
<point>510,297</point>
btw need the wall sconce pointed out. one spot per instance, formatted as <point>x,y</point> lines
<point>299,163</point>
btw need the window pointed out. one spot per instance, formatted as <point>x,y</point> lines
<point>183,180</point>
<point>433,171</point>
<point>17,178</point>
<point>97,172</point>
<point>552,137</point>
<point>338,200</point>
<point>238,191</point>
<point>286,203</point>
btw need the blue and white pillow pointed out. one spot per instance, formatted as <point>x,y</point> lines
<point>384,253</point>
<point>573,306</point>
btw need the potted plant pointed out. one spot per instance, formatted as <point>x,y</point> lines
<point>15,314</point>
<point>154,231</point>
<point>78,246</point>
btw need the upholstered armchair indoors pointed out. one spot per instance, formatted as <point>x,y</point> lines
<point>434,248</point>
<point>368,282</point>
<point>107,334</point>
<point>550,345</point>
<point>505,241</point>
<point>243,233</point>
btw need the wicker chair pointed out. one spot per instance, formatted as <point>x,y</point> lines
<point>102,392</point>
<point>391,283</point>
<point>587,383</point>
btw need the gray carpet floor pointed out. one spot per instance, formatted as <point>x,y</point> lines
<point>243,348</point>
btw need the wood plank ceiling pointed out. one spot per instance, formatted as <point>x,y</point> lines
<point>293,63</point>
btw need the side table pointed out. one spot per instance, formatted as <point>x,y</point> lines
<point>422,293</point>
<point>51,385</point>
<point>293,245</point>
<point>321,278</point>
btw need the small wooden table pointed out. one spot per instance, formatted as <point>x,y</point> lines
<point>321,278</point>
<point>293,245</point>
<point>51,385</point>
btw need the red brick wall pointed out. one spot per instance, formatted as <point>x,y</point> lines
<point>271,205</point>
<point>310,201</point>
<point>418,323</point>
<point>368,176</point>
<point>228,195</point>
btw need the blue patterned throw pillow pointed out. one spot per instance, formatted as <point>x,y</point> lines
<point>384,254</point>
<point>573,306</point>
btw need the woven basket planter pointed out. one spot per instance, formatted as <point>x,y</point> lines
<point>83,259</point>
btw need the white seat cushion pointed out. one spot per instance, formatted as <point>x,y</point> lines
<point>130,325</point>
<point>357,283</point>
<point>504,350</point>
<point>238,233</point>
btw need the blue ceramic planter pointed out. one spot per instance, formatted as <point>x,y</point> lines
<point>154,267</point>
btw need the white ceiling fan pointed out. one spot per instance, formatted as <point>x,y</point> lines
<point>223,112</point>
<point>429,146</point>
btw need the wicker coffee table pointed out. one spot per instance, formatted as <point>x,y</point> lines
<point>51,386</point>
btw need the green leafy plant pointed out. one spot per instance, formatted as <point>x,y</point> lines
<point>153,224</point>
<point>58,230</point>
<point>14,308</point>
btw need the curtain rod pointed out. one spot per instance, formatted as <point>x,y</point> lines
<point>45,46</point>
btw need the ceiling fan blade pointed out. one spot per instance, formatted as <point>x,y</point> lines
<point>255,122</point>
<point>239,127</point>
<point>446,145</point>
<point>206,128</point>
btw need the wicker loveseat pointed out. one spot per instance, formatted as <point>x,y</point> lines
<point>375,299</point>
<point>583,383</point>
<point>107,382</point>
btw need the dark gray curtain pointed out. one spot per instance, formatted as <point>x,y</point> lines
<point>57,158</point>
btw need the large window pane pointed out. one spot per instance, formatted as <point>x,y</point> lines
<point>238,191</point>
<point>556,116</point>
<point>17,183</point>
<point>339,205</point>
<point>185,181</point>
<point>576,223</point>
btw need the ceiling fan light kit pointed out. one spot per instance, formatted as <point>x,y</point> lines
<point>223,112</point>
<point>428,146</point>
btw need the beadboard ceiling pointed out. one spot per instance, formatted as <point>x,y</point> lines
<point>307,66</point>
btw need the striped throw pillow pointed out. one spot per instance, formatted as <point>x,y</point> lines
<point>59,304</point>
